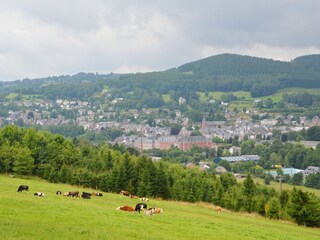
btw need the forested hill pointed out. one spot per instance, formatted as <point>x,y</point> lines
<point>230,72</point>
<point>232,64</point>
<point>225,72</point>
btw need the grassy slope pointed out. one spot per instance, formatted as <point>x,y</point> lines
<point>24,216</point>
<point>245,99</point>
<point>246,95</point>
<point>285,186</point>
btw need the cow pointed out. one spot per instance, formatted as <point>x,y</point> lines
<point>86,195</point>
<point>58,192</point>
<point>218,209</point>
<point>74,194</point>
<point>71,194</point>
<point>144,199</point>
<point>23,187</point>
<point>140,206</point>
<point>39,194</point>
<point>97,194</point>
<point>150,211</point>
<point>158,210</point>
<point>133,196</point>
<point>125,193</point>
<point>125,208</point>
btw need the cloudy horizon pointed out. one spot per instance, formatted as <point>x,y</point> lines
<point>40,38</point>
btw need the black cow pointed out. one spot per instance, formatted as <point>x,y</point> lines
<point>86,195</point>
<point>23,187</point>
<point>140,206</point>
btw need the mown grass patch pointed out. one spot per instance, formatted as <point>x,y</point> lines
<point>24,216</point>
<point>245,96</point>
<point>285,186</point>
<point>166,98</point>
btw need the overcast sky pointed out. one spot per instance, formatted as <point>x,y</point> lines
<point>40,38</point>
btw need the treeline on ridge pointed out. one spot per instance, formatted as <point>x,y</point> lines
<point>225,72</point>
<point>114,168</point>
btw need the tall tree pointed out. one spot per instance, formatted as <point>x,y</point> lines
<point>23,161</point>
<point>249,189</point>
<point>304,208</point>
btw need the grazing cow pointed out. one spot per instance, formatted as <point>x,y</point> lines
<point>126,208</point>
<point>133,196</point>
<point>58,192</point>
<point>158,210</point>
<point>23,187</point>
<point>144,199</point>
<point>39,194</point>
<point>150,211</point>
<point>97,194</point>
<point>74,194</point>
<point>71,194</point>
<point>125,193</point>
<point>218,209</point>
<point>86,195</point>
<point>140,206</point>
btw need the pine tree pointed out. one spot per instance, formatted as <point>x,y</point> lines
<point>304,208</point>
<point>249,189</point>
<point>273,210</point>
<point>161,183</point>
<point>144,185</point>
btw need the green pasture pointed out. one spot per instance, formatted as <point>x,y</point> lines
<point>285,186</point>
<point>12,96</point>
<point>25,216</point>
<point>166,98</point>
<point>243,95</point>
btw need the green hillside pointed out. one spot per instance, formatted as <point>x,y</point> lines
<point>24,216</point>
<point>233,64</point>
<point>224,72</point>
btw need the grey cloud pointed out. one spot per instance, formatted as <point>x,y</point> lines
<point>40,37</point>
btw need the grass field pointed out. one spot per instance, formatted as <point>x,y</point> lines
<point>166,98</point>
<point>24,216</point>
<point>246,101</point>
<point>276,185</point>
<point>242,95</point>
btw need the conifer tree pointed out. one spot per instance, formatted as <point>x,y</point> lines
<point>304,208</point>
<point>144,185</point>
<point>249,189</point>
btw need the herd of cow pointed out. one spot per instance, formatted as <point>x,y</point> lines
<point>86,195</point>
<point>140,206</point>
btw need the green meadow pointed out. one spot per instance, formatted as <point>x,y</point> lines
<point>285,186</point>
<point>245,96</point>
<point>25,216</point>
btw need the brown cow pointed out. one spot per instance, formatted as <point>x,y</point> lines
<point>158,210</point>
<point>218,209</point>
<point>97,194</point>
<point>126,208</point>
<point>125,193</point>
<point>133,196</point>
<point>71,194</point>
